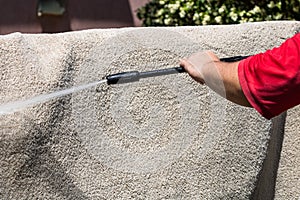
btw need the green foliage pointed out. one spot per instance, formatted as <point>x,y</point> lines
<point>203,12</point>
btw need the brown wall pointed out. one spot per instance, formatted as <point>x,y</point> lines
<point>17,16</point>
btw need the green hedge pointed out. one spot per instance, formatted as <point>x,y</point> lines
<point>203,12</point>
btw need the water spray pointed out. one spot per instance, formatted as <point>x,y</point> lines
<point>118,78</point>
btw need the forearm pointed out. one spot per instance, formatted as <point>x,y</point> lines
<point>221,77</point>
<point>226,82</point>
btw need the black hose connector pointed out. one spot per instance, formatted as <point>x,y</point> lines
<point>233,59</point>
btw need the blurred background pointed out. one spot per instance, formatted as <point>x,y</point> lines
<point>51,16</point>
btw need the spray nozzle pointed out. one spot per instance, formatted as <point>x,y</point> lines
<point>133,76</point>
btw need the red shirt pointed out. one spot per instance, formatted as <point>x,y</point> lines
<point>271,80</point>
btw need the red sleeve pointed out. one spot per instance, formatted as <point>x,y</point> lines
<point>271,80</point>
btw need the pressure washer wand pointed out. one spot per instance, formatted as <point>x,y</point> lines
<point>133,76</point>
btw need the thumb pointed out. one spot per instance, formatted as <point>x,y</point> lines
<point>193,71</point>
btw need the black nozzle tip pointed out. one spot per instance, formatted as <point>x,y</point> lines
<point>124,77</point>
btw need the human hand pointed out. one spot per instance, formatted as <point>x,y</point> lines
<point>221,77</point>
<point>197,64</point>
